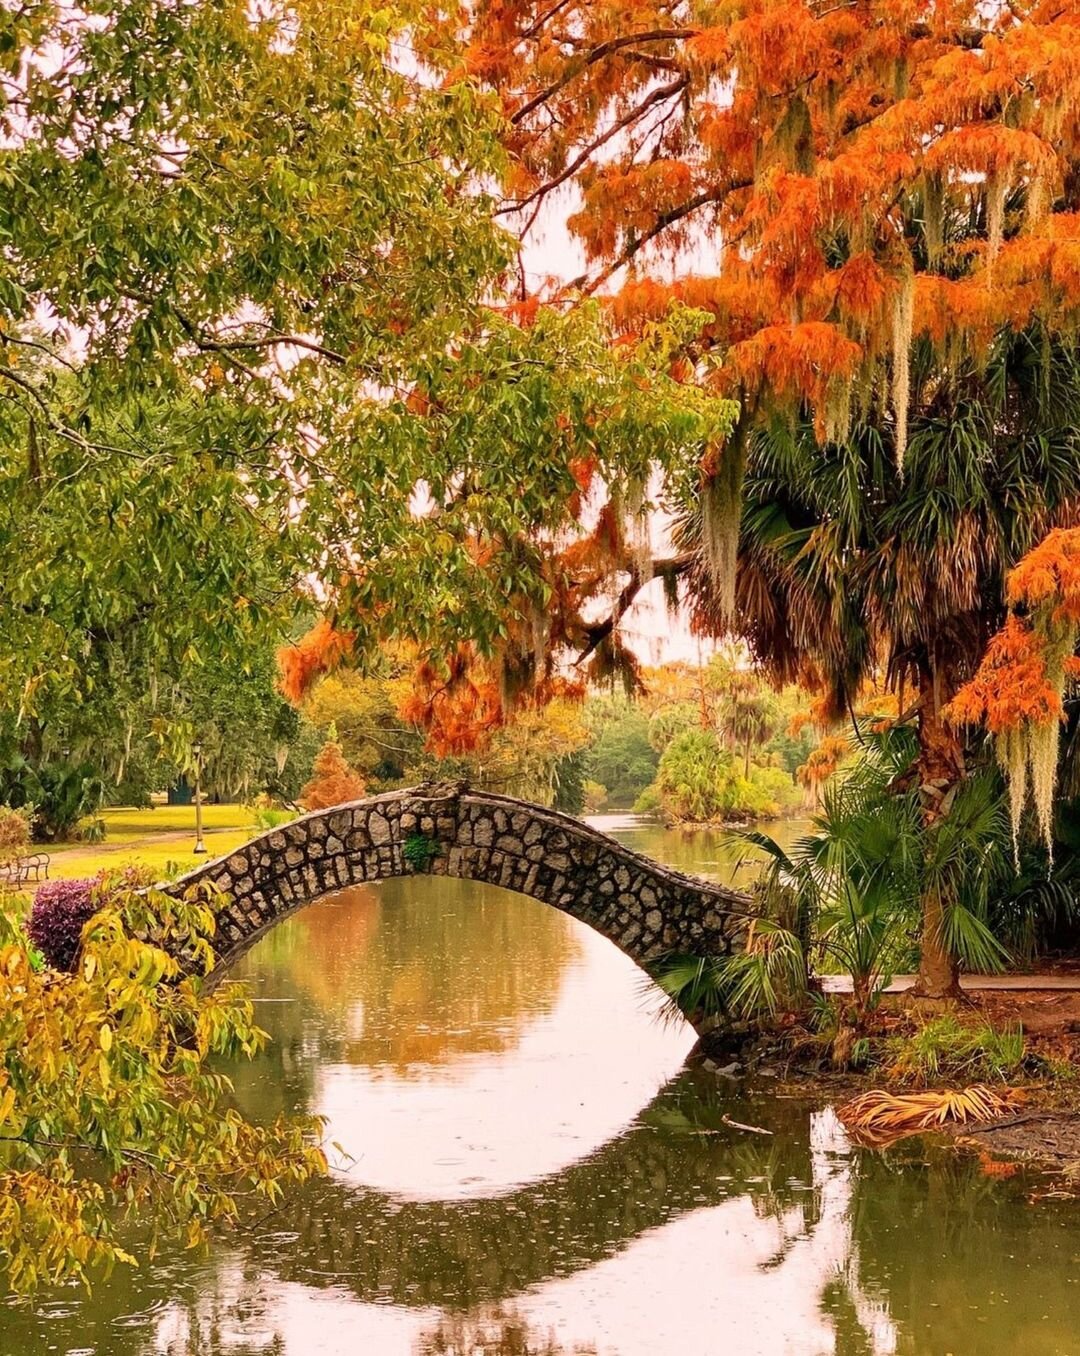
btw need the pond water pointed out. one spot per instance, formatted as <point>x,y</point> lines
<point>535,1171</point>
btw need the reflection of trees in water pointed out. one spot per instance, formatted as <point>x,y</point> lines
<point>207,1326</point>
<point>421,970</point>
<point>903,1252</point>
<point>493,1332</point>
<point>968,1263</point>
<point>715,854</point>
<point>407,973</point>
<point>466,1258</point>
<point>459,1254</point>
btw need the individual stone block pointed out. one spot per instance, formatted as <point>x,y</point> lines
<point>340,823</point>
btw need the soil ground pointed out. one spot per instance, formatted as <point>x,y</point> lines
<point>1050,1136</point>
<point>1044,1132</point>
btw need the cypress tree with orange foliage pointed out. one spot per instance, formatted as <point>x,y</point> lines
<point>888,198</point>
<point>1018,692</point>
<point>333,781</point>
<point>866,174</point>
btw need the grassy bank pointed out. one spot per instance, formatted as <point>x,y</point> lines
<point>158,838</point>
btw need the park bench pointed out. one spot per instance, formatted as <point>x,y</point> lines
<point>19,870</point>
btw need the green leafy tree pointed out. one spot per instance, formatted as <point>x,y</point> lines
<point>362,707</point>
<point>621,757</point>
<point>54,795</point>
<point>247,342</point>
<point>699,781</point>
<point>110,1108</point>
<point>694,776</point>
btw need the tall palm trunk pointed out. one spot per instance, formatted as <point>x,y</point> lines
<point>940,767</point>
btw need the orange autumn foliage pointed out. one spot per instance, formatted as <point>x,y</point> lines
<point>1050,574</point>
<point>461,699</point>
<point>1027,664</point>
<point>318,652</point>
<point>462,703</point>
<point>459,705</point>
<point>822,761</point>
<point>1019,688</point>
<point>1012,685</point>
<point>861,174</point>
<point>333,781</point>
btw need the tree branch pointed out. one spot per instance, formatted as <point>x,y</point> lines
<point>6,338</point>
<point>596,54</point>
<point>272,340</point>
<point>658,95</point>
<point>971,38</point>
<point>596,634</point>
<point>666,219</point>
<point>535,28</point>
<point>968,37</point>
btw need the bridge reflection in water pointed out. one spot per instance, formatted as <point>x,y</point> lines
<point>536,1174</point>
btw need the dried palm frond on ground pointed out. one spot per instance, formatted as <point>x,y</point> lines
<point>880,1116</point>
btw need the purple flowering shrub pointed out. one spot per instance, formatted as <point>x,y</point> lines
<point>60,910</point>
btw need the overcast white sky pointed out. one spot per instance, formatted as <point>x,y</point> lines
<point>551,252</point>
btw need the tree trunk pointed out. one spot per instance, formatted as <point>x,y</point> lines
<point>940,766</point>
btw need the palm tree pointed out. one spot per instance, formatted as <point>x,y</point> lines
<point>849,567</point>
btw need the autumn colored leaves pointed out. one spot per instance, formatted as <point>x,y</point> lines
<point>1018,690</point>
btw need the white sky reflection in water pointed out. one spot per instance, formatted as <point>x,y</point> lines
<point>568,1080</point>
<point>721,1263</point>
<point>487,1123</point>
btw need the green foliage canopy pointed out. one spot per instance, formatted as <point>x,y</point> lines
<point>621,758</point>
<point>110,1109</point>
<point>247,350</point>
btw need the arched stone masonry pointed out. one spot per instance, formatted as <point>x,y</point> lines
<point>446,829</point>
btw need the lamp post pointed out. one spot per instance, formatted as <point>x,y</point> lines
<point>196,754</point>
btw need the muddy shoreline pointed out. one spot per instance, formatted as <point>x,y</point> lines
<point>1043,1134</point>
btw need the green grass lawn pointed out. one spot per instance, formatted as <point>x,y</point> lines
<point>125,825</point>
<point>157,838</point>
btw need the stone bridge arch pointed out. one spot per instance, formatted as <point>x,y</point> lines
<point>646,909</point>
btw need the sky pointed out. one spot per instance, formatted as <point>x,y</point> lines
<point>551,252</point>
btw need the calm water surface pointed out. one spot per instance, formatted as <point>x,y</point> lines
<point>533,1170</point>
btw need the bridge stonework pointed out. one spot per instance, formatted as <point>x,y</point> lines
<point>646,909</point>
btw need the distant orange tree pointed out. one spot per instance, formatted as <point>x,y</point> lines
<point>333,781</point>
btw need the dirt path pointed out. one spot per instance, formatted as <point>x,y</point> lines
<point>1056,983</point>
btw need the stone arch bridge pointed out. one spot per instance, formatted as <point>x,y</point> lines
<point>446,829</point>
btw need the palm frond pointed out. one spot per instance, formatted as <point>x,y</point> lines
<point>881,1116</point>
